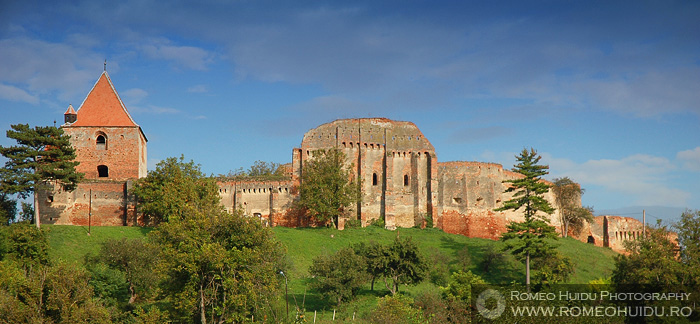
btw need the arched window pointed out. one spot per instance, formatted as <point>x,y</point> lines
<point>101,141</point>
<point>102,171</point>
<point>405,180</point>
<point>374,179</point>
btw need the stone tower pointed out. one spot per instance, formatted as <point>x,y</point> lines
<point>111,149</point>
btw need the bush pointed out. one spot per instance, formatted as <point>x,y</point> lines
<point>396,309</point>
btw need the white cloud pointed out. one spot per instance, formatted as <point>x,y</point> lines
<point>690,159</point>
<point>190,57</point>
<point>644,178</point>
<point>16,94</point>
<point>37,66</point>
<point>200,88</point>
<point>134,95</point>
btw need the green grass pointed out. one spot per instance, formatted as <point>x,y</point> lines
<point>71,243</point>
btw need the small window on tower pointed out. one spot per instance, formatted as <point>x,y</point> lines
<point>405,180</point>
<point>375,180</point>
<point>101,142</point>
<point>102,171</point>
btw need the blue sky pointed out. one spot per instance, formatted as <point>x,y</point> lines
<point>607,91</point>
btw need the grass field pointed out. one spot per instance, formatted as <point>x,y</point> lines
<point>72,243</point>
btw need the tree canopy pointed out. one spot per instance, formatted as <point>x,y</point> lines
<point>43,154</point>
<point>567,195</point>
<point>173,189</point>
<point>327,189</point>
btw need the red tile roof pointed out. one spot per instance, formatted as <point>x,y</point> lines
<point>70,110</point>
<point>103,107</point>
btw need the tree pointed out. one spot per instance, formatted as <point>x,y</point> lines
<point>217,267</point>
<point>173,189</point>
<point>43,155</point>
<point>8,209</point>
<point>135,259</point>
<point>529,237</point>
<point>327,190</point>
<point>339,276</point>
<point>567,195</point>
<point>403,264</point>
<point>260,170</point>
<point>688,229</point>
<point>374,259</point>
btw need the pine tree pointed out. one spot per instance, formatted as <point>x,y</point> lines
<point>529,238</point>
<point>43,155</point>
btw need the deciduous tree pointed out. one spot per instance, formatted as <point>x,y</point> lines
<point>217,267</point>
<point>173,189</point>
<point>43,155</point>
<point>567,195</point>
<point>327,190</point>
<point>529,237</point>
<point>403,264</point>
<point>135,259</point>
<point>339,276</point>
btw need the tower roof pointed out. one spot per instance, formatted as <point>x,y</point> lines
<point>103,107</point>
<point>70,111</point>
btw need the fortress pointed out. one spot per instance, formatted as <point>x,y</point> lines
<point>402,180</point>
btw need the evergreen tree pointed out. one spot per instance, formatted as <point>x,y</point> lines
<point>43,155</point>
<point>327,190</point>
<point>529,238</point>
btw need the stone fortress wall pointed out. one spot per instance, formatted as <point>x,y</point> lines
<point>402,180</point>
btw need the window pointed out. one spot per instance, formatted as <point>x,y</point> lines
<point>102,171</point>
<point>374,179</point>
<point>405,180</point>
<point>101,141</point>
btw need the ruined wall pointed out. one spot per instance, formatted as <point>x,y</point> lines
<point>123,153</point>
<point>618,229</point>
<point>97,203</point>
<point>269,201</point>
<point>396,163</point>
<point>468,194</point>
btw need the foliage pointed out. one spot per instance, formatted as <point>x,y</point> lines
<point>134,258</point>
<point>688,229</point>
<point>43,154</point>
<point>552,268</point>
<point>8,209</point>
<point>529,238</point>
<point>567,194</point>
<point>327,190</point>
<point>374,259</point>
<point>32,290</point>
<point>657,261</point>
<point>464,258</point>
<point>402,264</point>
<point>217,267</point>
<point>396,309</point>
<point>492,259</point>
<point>460,287</point>
<point>260,170</point>
<point>439,310</point>
<point>27,213</point>
<point>26,244</point>
<point>339,276</point>
<point>173,189</point>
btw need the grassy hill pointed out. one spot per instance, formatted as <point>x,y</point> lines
<point>72,243</point>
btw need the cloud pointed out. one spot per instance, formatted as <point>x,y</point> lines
<point>37,66</point>
<point>478,134</point>
<point>16,94</point>
<point>190,57</point>
<point>200,88</point>
<point>643,178</point>
<point>134,95</point>
<point>690,159</point>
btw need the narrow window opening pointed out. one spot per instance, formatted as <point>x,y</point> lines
<point>102,171</point>
<point>101,142</point>
<point>405,180</point>
<point>374,179</point>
